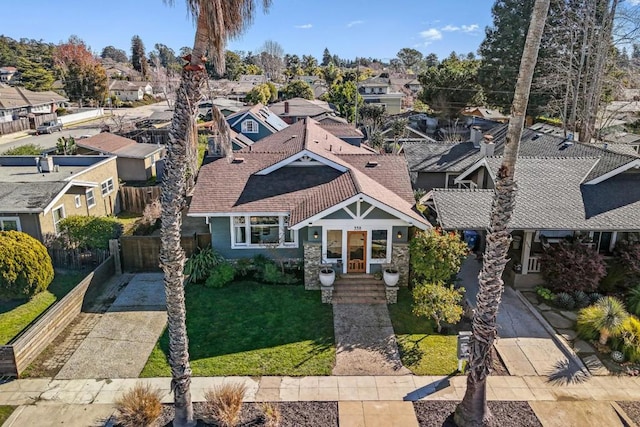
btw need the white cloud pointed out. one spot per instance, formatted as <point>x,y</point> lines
<point>431,34</point>
<point>472,28</point>
<point>450,28</point>
<point>353,23</point>
<point>304,26</point>
<point>634,2</point>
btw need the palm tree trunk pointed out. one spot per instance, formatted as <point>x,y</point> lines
<point>473,410</point>
<point>182,135</point>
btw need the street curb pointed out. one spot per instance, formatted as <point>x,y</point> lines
<point>556,337</point>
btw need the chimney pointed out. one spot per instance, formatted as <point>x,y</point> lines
<point>46,164</point>
<point>487,147</point>
<point>476,136</point>
<point>286,107</point>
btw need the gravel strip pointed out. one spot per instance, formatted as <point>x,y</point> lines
<point>294,414</point>
<point>632,409</point>
<point>505,414</point>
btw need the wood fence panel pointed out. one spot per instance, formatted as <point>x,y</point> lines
<point>36,121</point>
<point>30,343</point>
<point>142,253</point>
<point>14,126</point>
<point>135,199</point>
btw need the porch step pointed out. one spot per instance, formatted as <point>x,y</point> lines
<point>359,300</point>
<point>360,291</point>
<point>357,282</point>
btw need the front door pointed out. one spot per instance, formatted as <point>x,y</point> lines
<point>356,251</point>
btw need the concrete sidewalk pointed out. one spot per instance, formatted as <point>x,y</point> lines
<point>362,399</point>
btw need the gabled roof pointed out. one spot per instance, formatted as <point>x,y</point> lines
<point>260,113</point>
<point>127,85</point>
<point>456,157</point>
<point>485,112</point>
<point>300,107</point>
<point>19,97</point>
<point>110,143</point>
<point>550,196</point>
<point>338,172</point>
<point>341,130</point>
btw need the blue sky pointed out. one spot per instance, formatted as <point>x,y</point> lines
<point>349,28</point>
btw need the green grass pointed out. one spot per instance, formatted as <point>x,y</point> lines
<point>128,221</point>
<point>16,315</point>
<point>422,350</point>
<point>5,412</point>
<point>248,328</point>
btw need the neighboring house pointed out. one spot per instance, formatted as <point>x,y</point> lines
<point>310,80</point>
<point>255,122</point>
<point>378,91</point>
<point>485,113</point>
<point>7,73</point>
<point>243,86</point>
<point>292,110</point>
<point>345,131</point>
<point>226,107</point>
<point>304,194</point>
<point>631,140</point>
<point>130,91</point>
<point>18,102</point>
<point>594,200</point>
<point>135,161</point>
<point>36,195</point>
<point>408,134</point>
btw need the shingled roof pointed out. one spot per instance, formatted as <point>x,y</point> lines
<point>550,196</point>
<point>340,171</point>
<point>109,143</point>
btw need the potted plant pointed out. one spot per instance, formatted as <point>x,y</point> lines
<point>327,276</point>
<point>391,275</point>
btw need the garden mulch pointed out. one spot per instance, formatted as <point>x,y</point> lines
<point>632,409</point>
<point>505,414</point>
<point>294,414</point>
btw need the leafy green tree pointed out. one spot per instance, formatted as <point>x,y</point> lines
<point>138,56</point>
<point>83,76</point>
<point>34,76</point>
<point>111,52</point>
<point>293,66</point>
<point>436,256</point>
<point>451,85</point>
<point>25,265</point>
<point>409,58</point>
<point>431,60</point>
<point>343,96</point>
<point>66,146</point>
<point>332,74</point>
<point>24,150</point>
<point>262,94</point>
<point>372,117</point>
<point>90,232</point>
<point>310,65</point>
<point>166,55</point>
<point>298,89</point>
<point>438,302</point>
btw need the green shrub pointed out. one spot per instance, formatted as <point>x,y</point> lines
<point>272,274</point>
<point>243,267</point>
<point>594,297</point>
<point>25,265</point>
<point>436,256</point>
<point>629,254</point>
<point>24,150</point>
<point>199,265</point>
<point>604,318</point>
<point>572,267</point>
<point>438,302</point>
<point>545,293</point>
<point>630,339</point>
<point>616,277</point>
<point>581,299</point>
<point>90,232</point>
<point>633,300</point>
<point>565,301</point>
<point>220,275</point>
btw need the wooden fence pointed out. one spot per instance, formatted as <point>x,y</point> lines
<point>142,253</point>
<point>14,126</point>
<point>134,199</point>
<point>76,259</point>
<point>22,350</point>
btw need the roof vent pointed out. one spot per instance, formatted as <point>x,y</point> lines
<point>238,160</point>
<point>372,164</point>
<point>605,146</point>
<point>536,136</point>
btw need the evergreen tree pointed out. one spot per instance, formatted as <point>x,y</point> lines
<point>111,52</point>
<point>138,57</point>
<point>34,76</point>
<point>326,57</point>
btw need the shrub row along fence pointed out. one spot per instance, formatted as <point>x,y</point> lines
<point>75,259</point>
<point>135,199</point>
<point>142,253</point>
<point>22,350</point>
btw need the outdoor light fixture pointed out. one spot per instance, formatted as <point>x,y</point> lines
<point>399,234</point>
<point>315,234</point>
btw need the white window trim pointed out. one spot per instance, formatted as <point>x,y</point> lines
<point>10,218</point>
<point>109,191</point>
<point>247,227</point>
<point>77,200</point>
<point>254,125</point>
<point>90,190</point>
<point>63,216</point>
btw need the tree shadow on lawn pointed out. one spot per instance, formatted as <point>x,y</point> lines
<point>247,316</point>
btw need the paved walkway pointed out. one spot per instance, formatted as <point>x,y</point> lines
<point>120,343</point>
<point>365,341</point>
<point>525,346</point>
<point>361,398</point>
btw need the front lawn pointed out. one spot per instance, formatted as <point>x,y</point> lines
<point>249,328</point>
<point>5,413</point>
<point>422,350</point>
<point>16,315</point>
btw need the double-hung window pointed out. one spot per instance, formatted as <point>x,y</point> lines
<point>106,186</point>
<point>10,224</point>
<point>261,231</point>
<point>58,215</point>
<point>91,198</point>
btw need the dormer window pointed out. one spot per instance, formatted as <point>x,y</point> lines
<point>249,126</point>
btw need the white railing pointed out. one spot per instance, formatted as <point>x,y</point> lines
<point>534,265</point>
<point>468,184</point>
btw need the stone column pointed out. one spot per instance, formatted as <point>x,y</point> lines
<point>400,260</point>
<point>312,260</point>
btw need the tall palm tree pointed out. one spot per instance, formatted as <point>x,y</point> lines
<point>216,22</point>
<point>473,410</point>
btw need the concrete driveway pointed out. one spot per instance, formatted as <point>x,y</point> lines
<point>120,343</point>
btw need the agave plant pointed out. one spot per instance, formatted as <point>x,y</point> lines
<point>606,317</point>
<point>581,298</point>
<point>565,301</point>
<point>595,297</point>
<point>634,300</point>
